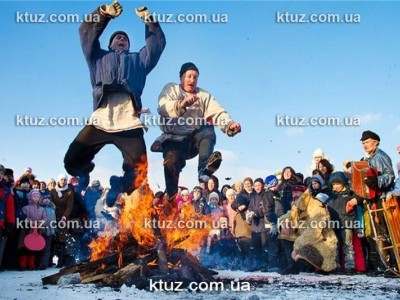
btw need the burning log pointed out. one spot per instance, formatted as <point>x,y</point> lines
<point>123,275</point>
<point>128,255</point>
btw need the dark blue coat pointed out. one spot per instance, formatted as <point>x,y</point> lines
<point>119,70</point>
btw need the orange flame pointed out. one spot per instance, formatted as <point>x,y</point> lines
<point>139,219</point>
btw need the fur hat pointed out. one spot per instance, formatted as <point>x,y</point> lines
<point>188,66</point>
<point>369,135</point>
<point>271,181</point>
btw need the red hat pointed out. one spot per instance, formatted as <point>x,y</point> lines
<point>299,188</point>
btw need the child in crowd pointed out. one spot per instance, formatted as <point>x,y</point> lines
<point>35,215</point>
<point>344,222</point>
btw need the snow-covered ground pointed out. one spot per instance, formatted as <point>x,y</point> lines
<point>28,285</point>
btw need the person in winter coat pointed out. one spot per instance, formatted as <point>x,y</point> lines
<point>118,78</point>
<point>63,198</point>
<point>262,218</point>
<point>315,243</point>
<point>395,192</point>
<point>49,231</point>
<point>35,217</point>
<point>7,212</point>
<point>318,154</point>
<point>188,115</point>
<point>288,235</point>
<point>383,182</point>
<point>199,202</point>
<point>345,221</point>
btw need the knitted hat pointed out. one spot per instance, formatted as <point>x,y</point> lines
<point>259,180</point>
<point>317,178</point>
<point>186,67</point>
<point>338,177</point>
<point>115,34</point>
<point>322,197</point>
<point>271,181</point>
<point>198,188</point>
<point>95,183</point>
<point>62,176</point>
<point>2,169</point>
<point>185,192</point>
<point>28,170</point>
<point>213,195</point>
<point>318,153</point>
<point>369,135</point>
<point>34,192</point>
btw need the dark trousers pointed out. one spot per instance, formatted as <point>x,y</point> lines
<point>78,160</point>
<point>287,247</point>
<point>259,243</point>
<point>202,142</point>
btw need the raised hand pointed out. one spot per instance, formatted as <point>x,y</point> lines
<point>113,10</point>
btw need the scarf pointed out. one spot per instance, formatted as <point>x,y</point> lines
<point>61,189</point>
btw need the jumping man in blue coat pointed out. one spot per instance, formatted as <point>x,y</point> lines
<point>118,78</point>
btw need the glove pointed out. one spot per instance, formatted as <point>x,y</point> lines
<point>249,216</point>
<point>371,182</point>
<point>273,231</point>
<point>143,13</point>
<point>113,10</point>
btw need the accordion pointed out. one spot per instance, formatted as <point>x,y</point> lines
<point>360,170</point>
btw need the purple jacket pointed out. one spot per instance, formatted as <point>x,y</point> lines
<point>34,212</point>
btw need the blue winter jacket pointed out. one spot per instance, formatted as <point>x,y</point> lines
<point>112,70</point>
<point>383,163</point>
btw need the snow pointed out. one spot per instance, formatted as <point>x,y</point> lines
<point>28,285</point>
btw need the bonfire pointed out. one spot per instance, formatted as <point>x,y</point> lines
<point>146,242</point>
